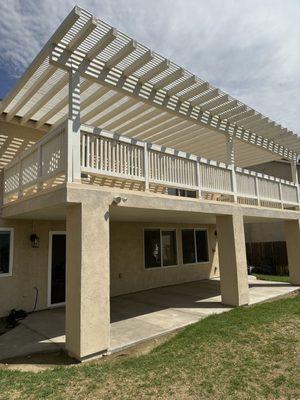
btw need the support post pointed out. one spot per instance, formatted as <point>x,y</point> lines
<point>257,190</point>
<point>146,166</point>
<point>199,183</point>
<point>295,175</point>
<point>231,163</point>
<point>73,159</point>
<point>40,169</point>
<point>233,262</point>
<point>20,189</point>
<point>87,283</point>
<point>292,235</point>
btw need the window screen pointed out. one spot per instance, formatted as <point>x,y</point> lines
<point>169,248</point>
<point>188,246</point>
<point>152,248</point>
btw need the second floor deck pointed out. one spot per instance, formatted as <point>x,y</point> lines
<point>108,159</point>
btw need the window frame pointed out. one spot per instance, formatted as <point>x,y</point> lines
<point>161,247</point>
<point>11,251</point>
<point>195,246</point>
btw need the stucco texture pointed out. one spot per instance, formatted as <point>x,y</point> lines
<point>30,266</point>
<point>128,273</point>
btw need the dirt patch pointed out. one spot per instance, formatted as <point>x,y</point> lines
<point>43,361</point>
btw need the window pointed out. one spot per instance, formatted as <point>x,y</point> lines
<point>194,246</point>
<point>6,240</point>
<point>182,192</point>
<point>160,248</point>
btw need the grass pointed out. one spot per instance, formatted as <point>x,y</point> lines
<point>274,278</point>
<point>247,353</point>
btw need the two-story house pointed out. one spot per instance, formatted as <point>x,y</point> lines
<point>122,172</point>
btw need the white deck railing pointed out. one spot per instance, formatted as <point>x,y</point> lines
<point>35,167</point>
<point>106,154</point>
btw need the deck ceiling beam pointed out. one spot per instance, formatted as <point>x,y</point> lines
<point>31,92</point>
<point>116,111</point>
<point>139,120</point>
<point>167,132</point>
<point>172,106</point>
<point>44,99</point>
<point>124,119</point>
<point>101,107</point>
<point>60,105</point>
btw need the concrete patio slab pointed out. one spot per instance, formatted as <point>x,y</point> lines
<point>135,317</point>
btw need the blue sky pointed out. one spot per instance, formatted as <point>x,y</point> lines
<point>249,48</point>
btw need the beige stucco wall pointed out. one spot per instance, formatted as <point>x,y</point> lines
<point>127,259</point>
<point>127,272</point>
<point>30,266</point>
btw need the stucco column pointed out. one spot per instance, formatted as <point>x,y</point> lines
<point>292,235</point>
<point>232,259</point>
<point>87,283</point>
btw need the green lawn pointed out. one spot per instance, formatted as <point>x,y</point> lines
<point>274,278</point>
<point>247,353</point>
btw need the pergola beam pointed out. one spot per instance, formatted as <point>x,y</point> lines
<point>167,80</point>
<point>179,87</point>
<point>43,54</point>
<point>203,87</point>
<point>138,63</point>
<point>158,69</point>
<point>121,54</point>
<point>162,102</point>
<point>205,97</point>
<point>30,92</point>
<point>44,99</point>
<point>81,35</point>
<point>224,107</point>
<point>102,44</point>
<point>214,103</point>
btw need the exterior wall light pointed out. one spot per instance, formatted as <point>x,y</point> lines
<point>117,200</point>
<point>35,240</point>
